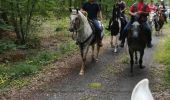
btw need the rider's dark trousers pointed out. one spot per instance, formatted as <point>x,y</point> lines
<point>146,27</point>
<point>98,28</point>
<point>148,31</point>
<point>125,30</point>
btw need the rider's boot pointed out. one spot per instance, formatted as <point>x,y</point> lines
<point>122,43</point>
<point>149,45</point>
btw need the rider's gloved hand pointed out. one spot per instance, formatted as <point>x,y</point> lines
<point>140,12</point>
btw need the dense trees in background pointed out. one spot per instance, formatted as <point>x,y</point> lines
<point>23,16</point>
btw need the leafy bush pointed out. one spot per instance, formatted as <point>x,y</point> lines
<point>6,44</point>
<point>33,41</point>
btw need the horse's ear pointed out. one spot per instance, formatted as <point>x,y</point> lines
<point>77,11</point>
<point>70,10</point>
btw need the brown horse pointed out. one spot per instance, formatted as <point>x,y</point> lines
<point>159,22</point>
<point>137,41</point>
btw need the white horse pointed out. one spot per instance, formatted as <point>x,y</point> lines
<point>142,91</point>
<point>151,19</point>
<point>83,34</point>
<point>116,27</point>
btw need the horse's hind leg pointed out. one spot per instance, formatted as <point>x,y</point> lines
<point>131,60</point>
<point>98,50</point>
<point>141,59</point>
<point>111,41</point>
<point>136,57</point>
<point>116,44</point>
<point>93,52</point>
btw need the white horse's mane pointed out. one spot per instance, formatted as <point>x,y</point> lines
<point>86,31</point>
<point>84,19</point>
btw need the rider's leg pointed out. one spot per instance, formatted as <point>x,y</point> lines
<point>98,31</point>
<point>148,33</point>
<point>165,17</point>
<point>124,33</point>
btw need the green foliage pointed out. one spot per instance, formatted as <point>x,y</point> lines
<point>34,63</point>
<point>66,47</point>
<point>6,27</point>
<point>6,44</point>
<point>162,54</point>
<point>33,41</point>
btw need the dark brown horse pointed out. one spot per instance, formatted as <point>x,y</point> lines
<point>136,42</point>
<point>159,22</point>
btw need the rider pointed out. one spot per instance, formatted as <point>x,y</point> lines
<point>152,6</point>
<point>141,9</point>
<point>121,6</point>
<point>92,10</point>
<point>163,9</point>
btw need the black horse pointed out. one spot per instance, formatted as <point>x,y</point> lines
<point>116,24</point>
<point>137,41</point>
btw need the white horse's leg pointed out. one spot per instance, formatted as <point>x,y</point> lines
<point>97,55</point>
<point>93,52</point>
<point>116,44</point>
<point>84,60</point>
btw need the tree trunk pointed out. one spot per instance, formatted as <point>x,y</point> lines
<point>70,5</point>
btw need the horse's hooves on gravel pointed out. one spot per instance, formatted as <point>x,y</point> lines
<point>81,73</point>
<point>115,50</point>
<point>97,60</point>
<point>136,62</point>
<point>142,67</point>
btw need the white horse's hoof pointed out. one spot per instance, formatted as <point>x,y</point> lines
<point>97,60</point>
<point>81,73</point>
<point>115,50</point>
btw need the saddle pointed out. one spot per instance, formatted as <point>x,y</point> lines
<point>92,26</point>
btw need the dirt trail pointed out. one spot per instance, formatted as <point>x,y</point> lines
<point>110,78</point>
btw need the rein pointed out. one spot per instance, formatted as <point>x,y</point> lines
<point>76,32</point>
<point>81,43</point>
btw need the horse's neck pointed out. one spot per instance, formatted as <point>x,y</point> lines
<point>85,30</point>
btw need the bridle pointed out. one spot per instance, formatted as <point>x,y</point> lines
<point>76,26</point>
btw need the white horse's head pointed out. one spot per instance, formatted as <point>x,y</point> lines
<point>74,20</point>
<point>142,91</point>
<point>135,29</point>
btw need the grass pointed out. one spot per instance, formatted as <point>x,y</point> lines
<point>15,74</point>
<point>162,54</point>
<point>6,44</point>
<point>95,85</point>
<point>11,73</point>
